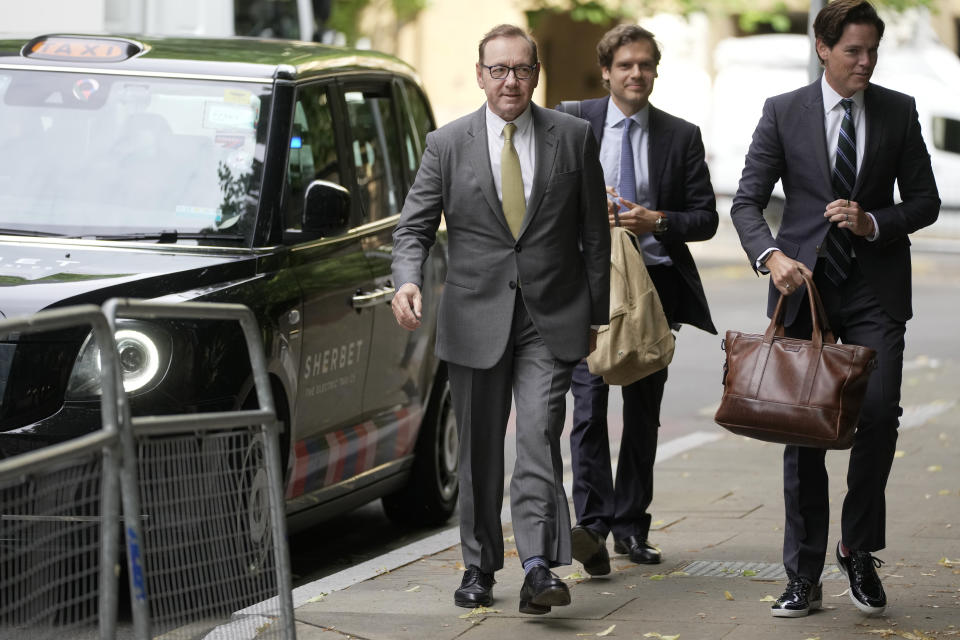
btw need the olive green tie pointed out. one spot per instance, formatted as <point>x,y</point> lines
<point>514,204</point>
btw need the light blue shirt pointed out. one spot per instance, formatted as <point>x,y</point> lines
<point>653,251</point>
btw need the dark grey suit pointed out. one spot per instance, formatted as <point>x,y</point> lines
<point>495,335</point>
<point>871,307</point>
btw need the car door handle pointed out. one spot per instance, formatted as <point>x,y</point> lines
<point>364,299</point>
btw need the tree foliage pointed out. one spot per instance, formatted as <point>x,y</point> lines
<point>345,15</point>
<point>751,15</point>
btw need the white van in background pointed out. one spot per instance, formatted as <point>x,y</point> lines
<point>753,68</point>
<point>286,19</point>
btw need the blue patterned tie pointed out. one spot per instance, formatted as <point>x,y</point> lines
<point>838,245</point>
<point>628,175</point>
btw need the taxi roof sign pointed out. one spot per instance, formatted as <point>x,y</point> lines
<point>81,49</point>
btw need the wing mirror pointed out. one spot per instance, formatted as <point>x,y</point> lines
<point>326,208</point>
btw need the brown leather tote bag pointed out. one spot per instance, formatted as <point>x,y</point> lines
<point>791,391</point>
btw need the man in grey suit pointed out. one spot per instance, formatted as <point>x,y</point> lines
<point>839,145</point>
<point>522,194</point>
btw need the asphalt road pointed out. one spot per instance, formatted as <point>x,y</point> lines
<point>737,300</point>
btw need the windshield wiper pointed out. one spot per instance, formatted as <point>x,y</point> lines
<point>170,237</point>
<point>30,232</point>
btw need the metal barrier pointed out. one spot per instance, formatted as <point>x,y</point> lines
<point>59,513</point>
<point>202,499</point>
<point>210,489</point>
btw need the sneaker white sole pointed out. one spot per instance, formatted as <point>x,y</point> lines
<point>789,613</point>
<point>865,608</point>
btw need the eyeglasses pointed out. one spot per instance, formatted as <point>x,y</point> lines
<point>520,72</point>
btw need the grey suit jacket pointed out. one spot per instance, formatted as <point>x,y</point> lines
<point>790,144</point>
<point>561,258</point>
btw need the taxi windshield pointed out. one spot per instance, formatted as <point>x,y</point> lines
<point>108,155</point>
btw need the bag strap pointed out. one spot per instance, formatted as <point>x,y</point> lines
<point>820,322</point>
<point>570,106</point>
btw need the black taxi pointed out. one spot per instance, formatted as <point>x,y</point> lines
<point>249,171</point>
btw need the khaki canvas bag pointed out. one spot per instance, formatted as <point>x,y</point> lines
<point>638,341</point>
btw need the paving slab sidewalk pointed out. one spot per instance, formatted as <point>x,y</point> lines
<point>718,518</point>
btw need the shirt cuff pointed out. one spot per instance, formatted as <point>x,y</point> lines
<point>762,258</point>
<point>876,229</point>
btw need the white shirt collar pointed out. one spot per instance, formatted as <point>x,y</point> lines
<point>615,116</point>
<point>496,124</point>
<point>831,98</point>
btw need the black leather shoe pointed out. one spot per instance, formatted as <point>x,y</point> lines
<point>590,549</point>
<point>476,589</point>
<point>542,590</point>
<point>798,599</point>
<point>639,550</point>
<point>866,590</point>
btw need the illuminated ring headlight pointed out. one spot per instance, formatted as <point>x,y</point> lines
<point>139,358</point>
<point>144,355</point>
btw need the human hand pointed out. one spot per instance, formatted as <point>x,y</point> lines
<point>847,214</point>
<point>636,218</point>
<point>407,306</point>
<point>786,273</point>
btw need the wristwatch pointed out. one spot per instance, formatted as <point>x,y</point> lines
<point>661,225</point>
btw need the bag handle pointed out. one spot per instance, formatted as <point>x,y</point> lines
<point>820,323</point>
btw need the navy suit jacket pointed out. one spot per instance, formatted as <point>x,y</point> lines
<point>790,144</point>
<point>680,187</point>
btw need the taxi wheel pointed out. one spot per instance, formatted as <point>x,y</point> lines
<point>430,497</point>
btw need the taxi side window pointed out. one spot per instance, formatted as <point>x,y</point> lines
<point>375,145</point>
<point>313,151</point>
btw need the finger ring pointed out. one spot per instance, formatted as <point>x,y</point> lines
<point>846,217</point>
<point>787,287</point>
<point>848,203</point>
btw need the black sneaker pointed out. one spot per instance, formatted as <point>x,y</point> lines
<point>798,599</point>
<point>866,590</point>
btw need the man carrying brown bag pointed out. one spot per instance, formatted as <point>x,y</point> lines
<point>839,145</point>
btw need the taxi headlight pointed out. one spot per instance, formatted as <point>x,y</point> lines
<point>144,356</point>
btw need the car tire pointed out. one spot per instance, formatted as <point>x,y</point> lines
<point>430,496</point>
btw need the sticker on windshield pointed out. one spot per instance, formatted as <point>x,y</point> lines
<point>237,96</point>
<point>84,89</point>
<point>203,214</point>
<point>222,115</point>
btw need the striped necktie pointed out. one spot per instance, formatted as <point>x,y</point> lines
<point>838,244</point>
<point>628,175</point>
<point>514,203</point>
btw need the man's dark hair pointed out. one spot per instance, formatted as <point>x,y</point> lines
<point>508,31</point>
<point>830,22</point>
<point>619,36</point>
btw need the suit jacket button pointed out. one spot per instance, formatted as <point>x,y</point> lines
<point>517,248</point>
<point>513,285</point>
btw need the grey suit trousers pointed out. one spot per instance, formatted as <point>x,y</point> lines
<point>538,503</point>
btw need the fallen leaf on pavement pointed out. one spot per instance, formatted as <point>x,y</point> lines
<point>576,575</point>
<point>607,593</point>
<point>945,492</point>
<point>728,595</point>
<point>899,453</point>
<point>318,598</point>
<point>934,468</point>
<point>674,574</point>
<point>749,573</point>
<point>478,611</point>
<point>654,634</point>
<point>841,594</point>
<point>415,587</point>
<point>657,576</point>
<point>883,633</point>
<point>947,562</point>
<point>768,599</point>
<point>607,631</point>
<point>508,539</point>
